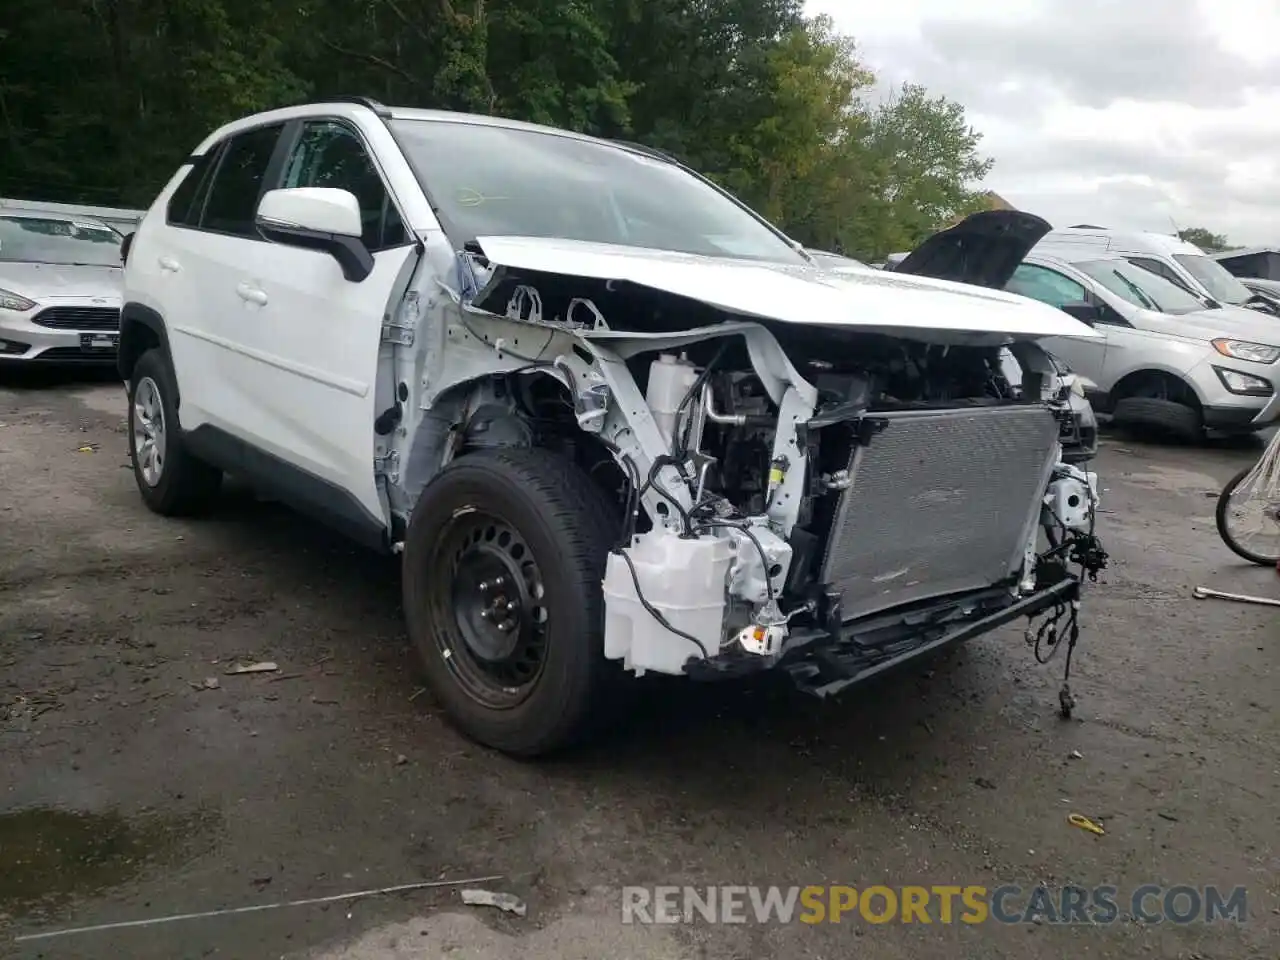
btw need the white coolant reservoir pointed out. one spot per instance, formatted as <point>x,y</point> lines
<point>684,580</point>
<point>670,378</point>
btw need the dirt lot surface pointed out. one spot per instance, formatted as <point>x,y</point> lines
<point>138,780</point>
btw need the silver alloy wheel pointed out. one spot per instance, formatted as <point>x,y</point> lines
<point>148,431</point>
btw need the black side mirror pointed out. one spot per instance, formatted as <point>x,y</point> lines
<point>352,255</point>
<point>1083,311</point>
<point>125,244</point>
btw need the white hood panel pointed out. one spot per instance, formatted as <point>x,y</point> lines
<point>873,300</point>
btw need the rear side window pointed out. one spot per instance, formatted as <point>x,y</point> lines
<point>238,182</point>
<point>186,201</point>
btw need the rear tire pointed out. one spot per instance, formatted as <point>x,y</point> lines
<point>173,481</point>
<point>1167,417</point>
<point>503,563</point>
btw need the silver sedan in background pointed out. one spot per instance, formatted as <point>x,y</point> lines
<point>60,284</point>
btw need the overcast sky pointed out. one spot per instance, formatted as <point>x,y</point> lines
<point>1122,113</point>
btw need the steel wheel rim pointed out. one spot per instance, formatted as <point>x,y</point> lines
<point>486,600</point>
<point>149,438</point>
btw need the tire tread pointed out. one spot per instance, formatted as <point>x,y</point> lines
<point>582,520</point>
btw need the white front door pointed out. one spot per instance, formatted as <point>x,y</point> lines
<point>303,341</point>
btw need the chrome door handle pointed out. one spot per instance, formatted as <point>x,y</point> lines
<point>251,294</point>
<point>169,264</point>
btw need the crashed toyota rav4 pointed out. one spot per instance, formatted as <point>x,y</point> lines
<point>613,420</point>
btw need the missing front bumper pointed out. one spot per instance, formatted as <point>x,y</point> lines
<point>823,663</point>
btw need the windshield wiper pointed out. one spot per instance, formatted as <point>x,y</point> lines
<point>1137,292</point>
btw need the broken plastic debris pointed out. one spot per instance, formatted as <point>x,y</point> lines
<point>1076,755</point>
<point>487,898</point>
<point>265,666</point>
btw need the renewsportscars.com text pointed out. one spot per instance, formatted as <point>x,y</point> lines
<point>1006,904</point>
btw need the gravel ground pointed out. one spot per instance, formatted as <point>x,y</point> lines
<point>140,780</point>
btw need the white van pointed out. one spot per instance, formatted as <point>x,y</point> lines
<point>1166,361</point>
<point>1169,257</point>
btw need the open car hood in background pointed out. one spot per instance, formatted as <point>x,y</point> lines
<point>801,293</point>
<point>982,250</point>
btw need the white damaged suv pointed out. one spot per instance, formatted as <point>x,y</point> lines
<point>613,420</point>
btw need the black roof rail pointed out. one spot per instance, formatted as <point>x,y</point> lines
<point>648,150</point>
<point>380,109</point>
<point>1086,226</point>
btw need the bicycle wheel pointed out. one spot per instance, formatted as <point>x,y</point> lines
<point>1249,522</point>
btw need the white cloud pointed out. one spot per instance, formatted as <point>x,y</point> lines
<point>1140,115</point>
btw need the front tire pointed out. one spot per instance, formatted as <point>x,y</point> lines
<point>503,564</point>
<point>173,481</point>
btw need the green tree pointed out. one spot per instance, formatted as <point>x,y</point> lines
<point>785,160</point>
<point>100,99</point>
<point>923,159</point>
<point>1205,239</point>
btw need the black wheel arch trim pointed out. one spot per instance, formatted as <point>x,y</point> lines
<point>135,317</point>
<point>1123,388</point>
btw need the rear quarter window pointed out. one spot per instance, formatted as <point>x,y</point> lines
<point>186,201</point>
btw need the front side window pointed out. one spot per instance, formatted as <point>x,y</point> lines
<point>1047,286</point>
<point>61,240</point>
<point>1141,287</point>
<point>238,181</point>
<point>329,154</point>
<point>1222,286</point>
<point>492,180</point>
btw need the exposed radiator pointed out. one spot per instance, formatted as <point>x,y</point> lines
<point>941,502</point>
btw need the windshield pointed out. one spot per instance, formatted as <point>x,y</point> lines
<point>1214,277</point>
<point>58,240</point>
<point>491,180</point>
<point>1140,287</point>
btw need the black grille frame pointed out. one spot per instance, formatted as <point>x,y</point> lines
<point>79,318</point>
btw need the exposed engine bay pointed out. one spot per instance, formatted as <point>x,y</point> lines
<point>827,500</point>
